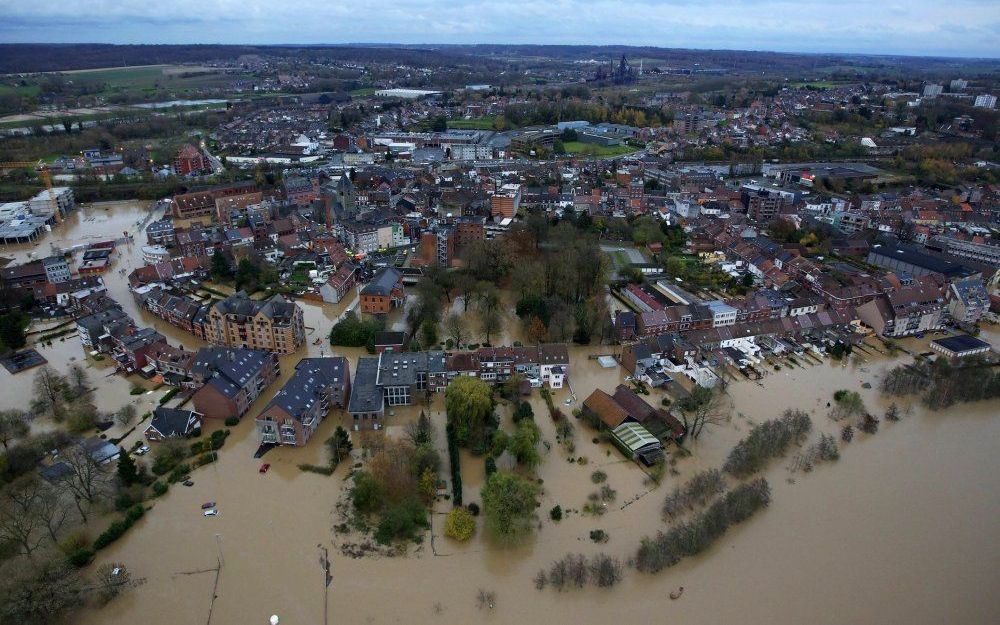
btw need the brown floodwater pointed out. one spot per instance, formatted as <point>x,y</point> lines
<point>902,529</point>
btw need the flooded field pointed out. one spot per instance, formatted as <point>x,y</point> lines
<point>902,529</point>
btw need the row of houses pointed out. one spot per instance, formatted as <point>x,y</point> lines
<point>398,378</point>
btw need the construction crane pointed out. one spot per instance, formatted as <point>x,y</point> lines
<point>46,177</point>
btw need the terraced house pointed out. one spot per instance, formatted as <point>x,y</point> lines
<point>317,386</point>
<point>273,325</point>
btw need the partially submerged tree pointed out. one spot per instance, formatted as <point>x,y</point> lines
<point>704,406</point>
<point>13,424</point>
<point>509,503</point>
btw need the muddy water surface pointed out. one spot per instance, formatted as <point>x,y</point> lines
<point>901,530</point>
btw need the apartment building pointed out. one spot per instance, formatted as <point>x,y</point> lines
<point>231,379</point>
<point>273,325</point>
<point>317,386</point>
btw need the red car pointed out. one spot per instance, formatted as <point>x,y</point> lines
<point>264,467</point>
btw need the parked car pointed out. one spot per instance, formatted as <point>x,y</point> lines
<point>142,451</point>
<point>211,512</point>
<point>264,467</point>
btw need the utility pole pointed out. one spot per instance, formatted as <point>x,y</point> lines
<point>218,544</point>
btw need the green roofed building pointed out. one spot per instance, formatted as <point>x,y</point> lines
<point>635,441</point>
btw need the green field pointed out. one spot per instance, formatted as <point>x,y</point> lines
<point>479,123</point>
<point>360,93</point>
<point>592,149</point>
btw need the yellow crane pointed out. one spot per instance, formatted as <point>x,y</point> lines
<point>44,174</point>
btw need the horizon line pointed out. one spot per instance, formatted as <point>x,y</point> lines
<point>542,45</point>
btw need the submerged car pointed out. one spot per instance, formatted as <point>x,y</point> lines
<point>264,467</point>
<point>211,512</point>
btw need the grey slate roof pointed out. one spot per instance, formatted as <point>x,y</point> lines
<point>366,396</point>
<point>306,386</point>
<point>228,369</point>
<point>383,282</point>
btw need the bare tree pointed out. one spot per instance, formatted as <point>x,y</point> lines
<point>41,592</point>
<point>486,599</point>
<point>19,520</point>
<point>78,380</point>
<point>125,415</point>
<point>86,481</point>
<point>455,326</point>
<point>49,387</point>
<point>53,510</point>
<point>113,578</point>
<point>490,322</point>
<point>704,406</point>
<point>13,424</point>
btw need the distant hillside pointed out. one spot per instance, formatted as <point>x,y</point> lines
<point>24,58</point>
<point>43,57</point>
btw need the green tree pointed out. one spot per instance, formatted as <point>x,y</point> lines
<point>509,503</point>
<point>221,270</point>
<point>469,405</point>
<point>12,331</point>
<point>247,275</point>
<point>128,473</point>
<point>523,444</point>
<point>460,524</point>
<point>339,445</point>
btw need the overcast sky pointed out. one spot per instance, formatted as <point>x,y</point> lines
<point>915,27</point>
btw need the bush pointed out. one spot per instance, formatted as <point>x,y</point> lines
<point>317,468</point>
<point>556,513</point>
<point>473,508</point>
<point>367,494</point>
<point>169,395</point>
<point>204,459</point>
<point>460,524</point>
<point>179,472</point>
<point>401,521</point>
<point>599,536</point>
<point>134,513</point>
<point>231,422</point>
<point>136,390</point>
<point>80,557</point>
<point>598,477</point>
<point>575,571</point>
<point>160,488</point>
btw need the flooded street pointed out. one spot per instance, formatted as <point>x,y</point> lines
<point>902,529</point>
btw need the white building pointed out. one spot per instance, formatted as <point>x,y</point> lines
<point>986,101</point>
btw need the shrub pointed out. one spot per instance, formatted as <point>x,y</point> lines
<point>231,422</point>
<point>460,524</point>
<point>134,513</point>
<point>556,513</point>
<point>473,508</point>
<point>178,473</point>
<point>575,571</point>
<point>169,395</point>
<point>367,494</point>
<point>80,557</point>
<point>401,521</point>
<point>197,447</point>
<point>599,536</point>
<point>598,477</point>
<point>317,468</point>
<point>159,488</point>
<point>204,459</point>
<point>136,390</point>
